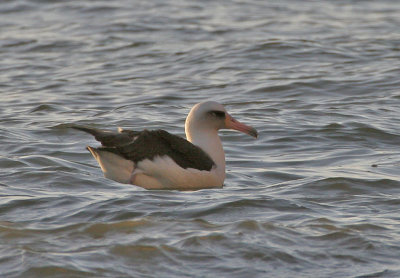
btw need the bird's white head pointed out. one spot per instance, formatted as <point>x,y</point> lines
<point>212,116</point>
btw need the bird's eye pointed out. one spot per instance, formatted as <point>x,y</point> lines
<point>218,114</point>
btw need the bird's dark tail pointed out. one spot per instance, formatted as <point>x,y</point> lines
<point>93,131</point>
<point>106,137</point>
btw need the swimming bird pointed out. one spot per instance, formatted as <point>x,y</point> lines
<point>157,159</point>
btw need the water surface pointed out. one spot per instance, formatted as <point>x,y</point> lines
<point>317,195</point>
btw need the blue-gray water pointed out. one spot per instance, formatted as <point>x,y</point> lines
<point>317,195</point>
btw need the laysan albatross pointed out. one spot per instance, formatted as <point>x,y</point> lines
<point>156,159</point>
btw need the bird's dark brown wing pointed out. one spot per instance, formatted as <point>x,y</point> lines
<point>149,144</point>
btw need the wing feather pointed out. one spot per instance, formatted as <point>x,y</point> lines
<point>159,143</point>
<point>137,146</point>
<point>109,138</point>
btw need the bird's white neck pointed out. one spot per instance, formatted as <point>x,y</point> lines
<point>209,141</point>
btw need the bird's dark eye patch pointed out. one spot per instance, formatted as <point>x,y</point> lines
<point>218,114</point>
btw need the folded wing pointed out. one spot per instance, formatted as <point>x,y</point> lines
<point>137,146</point>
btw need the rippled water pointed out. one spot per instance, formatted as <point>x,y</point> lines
<point>317,195</point>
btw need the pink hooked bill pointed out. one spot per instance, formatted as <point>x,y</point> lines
<point>232,123</point>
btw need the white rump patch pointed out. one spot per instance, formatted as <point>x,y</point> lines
<point>113,166</point>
